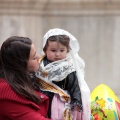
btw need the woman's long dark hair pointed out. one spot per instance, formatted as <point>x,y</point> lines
<point>14,55</point>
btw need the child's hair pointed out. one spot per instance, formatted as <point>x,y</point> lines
<point>63,39</point>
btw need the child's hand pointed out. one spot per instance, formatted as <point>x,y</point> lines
<point>76,106</point>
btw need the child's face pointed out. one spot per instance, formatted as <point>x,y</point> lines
<point>55,51</point>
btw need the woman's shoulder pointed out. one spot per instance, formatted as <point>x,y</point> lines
<point>5,89</point>
<point>6,92</point>
<point>3,84</point>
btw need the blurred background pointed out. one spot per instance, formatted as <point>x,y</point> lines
<point>95,23</point>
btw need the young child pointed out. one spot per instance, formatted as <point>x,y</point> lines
<point>62,72</point>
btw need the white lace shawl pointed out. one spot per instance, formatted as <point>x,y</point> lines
<point>58,70</point>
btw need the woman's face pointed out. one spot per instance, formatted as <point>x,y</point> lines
<point>33,62</point>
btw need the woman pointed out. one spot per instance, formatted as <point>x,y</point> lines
<point>20,98</point>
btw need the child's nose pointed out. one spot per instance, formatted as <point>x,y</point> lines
<point>57,53</point>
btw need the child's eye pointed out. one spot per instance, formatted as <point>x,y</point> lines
<point>62,50</point>
<point>53,50</point>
